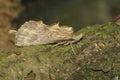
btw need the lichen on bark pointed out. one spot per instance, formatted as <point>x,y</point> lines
<point>95,57</point>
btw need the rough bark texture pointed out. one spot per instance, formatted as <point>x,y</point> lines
<point>95,57</point>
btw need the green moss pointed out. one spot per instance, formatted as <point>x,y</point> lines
<point>95,57</point>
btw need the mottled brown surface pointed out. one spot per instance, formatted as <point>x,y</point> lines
<point>37,33</point>
<point>8,11</point>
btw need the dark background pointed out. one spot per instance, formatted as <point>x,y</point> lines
<point>75,13</point>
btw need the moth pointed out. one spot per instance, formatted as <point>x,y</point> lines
<point>37,33</point>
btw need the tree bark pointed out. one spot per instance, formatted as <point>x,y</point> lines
<point>95,57</point>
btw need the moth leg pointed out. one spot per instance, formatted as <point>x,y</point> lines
<point>77,38</point>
